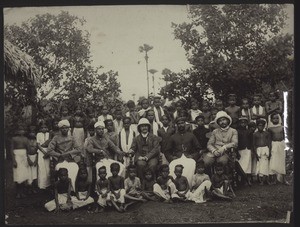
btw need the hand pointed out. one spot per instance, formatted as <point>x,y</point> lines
<point>104,195</point>
<point>217,153</point>
<point>141,158</point>
<point>118,195</point>
<point>15,164</point>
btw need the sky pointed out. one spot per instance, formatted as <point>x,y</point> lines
<point>118,31</point>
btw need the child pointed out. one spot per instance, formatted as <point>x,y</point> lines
<point>200,184</point>
<point>145,108</point>
<point>183,114</point>
<point>277,161</point>
<point>220,185</point>
<point>153,125</point>
<point>62,188</point>
<point>233,110</point>
<point>117,191</point>
<point>82,190</point>
<point>64,115</point>
<point>133,187</point>
<point>158,110</point>
<point>102,189</point>
<point>245,147</point>
<point>165,132</point>
<point>42,139</point>
<point>133,114</point>
<point>125,140</point>
<point>105,114</point>
<point>181,183</point>
<point>261,144</point>
<point>19,146</point>
<point>164,187</point>
<point>201,132</point>
<point>257,111</point>
<point>111,135</point>
<point>118,123</point>
<point>219,105</point>
<point>178,106</point>
<point>254,158</point>
<point>245,111</point>
<point>212,124</point>
<point>206,112</point>
<point>193,113</point>
<point>147,185</point>
<point>90,120</point>
<point>273,106</point>
<point>32,157</point>
<point>78,126</point>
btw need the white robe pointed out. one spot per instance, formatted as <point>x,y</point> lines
<point>126,146</point>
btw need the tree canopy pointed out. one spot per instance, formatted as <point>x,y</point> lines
<point>234,48</point>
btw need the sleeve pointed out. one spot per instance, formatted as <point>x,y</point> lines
<point>126,185</point>
<point>52,146</point>
<point>113,147</point>
<point>134,144</point>
<point>211,142</point>
<point>234,140</point>
<point>156,148</point>
<point>168,150</point>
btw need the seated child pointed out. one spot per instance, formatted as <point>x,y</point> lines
<point>165,187</point>
<point>117,191</point>
<point>82,190</point>
<point>147,186</point>
<point>220,184</point>
<point>102,189</point>
<point>62,189</point>
<point>181,183</point>
<point>133,187</point>
<point>200,184</point>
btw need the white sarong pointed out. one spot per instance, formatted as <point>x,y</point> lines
<point>277,160</point>
<point>121,199</point>
<point>78,134</point>
<point>165,193</point>
<point>72,168</point>
<point>43,177</point>
<point>102,201</point>
<point>189,165</point>
<point>107,162</point>
<point>81,203</point>
<point>197,195</point>
<point>32,169</point>
<point>245,160</point>
<point>21,173</point>
<point>263,163</point>
<point>62,199</point>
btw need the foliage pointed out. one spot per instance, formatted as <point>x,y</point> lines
<point>235,48</point>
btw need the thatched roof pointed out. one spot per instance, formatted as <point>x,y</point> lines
<point>19,65</point>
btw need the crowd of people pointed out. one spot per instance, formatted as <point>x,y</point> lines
<point>152,153</point>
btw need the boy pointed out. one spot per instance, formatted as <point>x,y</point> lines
<point>193,113</point>
<point>201,132</point>
<point>219,105</point>
<point>117,191</point>
<point>78,126</point>
<point>233,110</point>
<point>257,111</point>
<point>153,125</point>
<point>273,106</point>
<point>261,144</point>
<point>200,184</point>
<point>32,158</point>
<point>118,123</point>
<point>245,111</point>
<point>164,187</point>
<point>133,114</point>
<point>206,112</point>
<point>105,114</point>
<point>145,108</point>
<point>158,110</point>
<point>102,189</point>
<point>181,183</point>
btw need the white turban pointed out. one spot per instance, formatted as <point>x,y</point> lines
<point>63,123</point>
<point>99,123</point>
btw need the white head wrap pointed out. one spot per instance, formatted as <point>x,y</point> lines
<point>99,123</point>
<point>63,123</point>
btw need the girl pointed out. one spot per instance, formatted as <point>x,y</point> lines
<point>125,140</point>
<point>206,112</point>
<point>62,189</point>
<point>145,107</point>
<point>277,161</point>
<point>105,114</point>
<point>147,185</point>
<point>78,126</point>
<point>82,190</point>
<point>200,184</point>
<point>42,139</point>
<point>19,146</point>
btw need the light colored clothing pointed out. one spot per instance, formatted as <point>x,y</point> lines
<point>165,194</point>
<point>21,173</point>
<point>102,118</point>
<point>32,169</point>
<point>103,201</point>
<point>126,146</point>
<point>107,162</point>
<point>118,125</point>
<point>246,160</point>
<point>121,199</point>
<point>263,163</point>
<point>133,186</point>
<point>157,115</point>
<point>42,137</point>
<point>198,179</point>
<point>80,203</point>
<point>43,177</point>
<point>254,166</point>
<point>62,199</point>
<point>189,165</point>
<point>78,134</point>
<point>277,160</point>
<point>197,195</point>
<point>72,168</point>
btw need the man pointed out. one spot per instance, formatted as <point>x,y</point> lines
<point>101,150</point>
<point>65,150</point>
<point>222,139</point>
<point>182,142</point>
<point>146,148</point>
<point>158,110</point>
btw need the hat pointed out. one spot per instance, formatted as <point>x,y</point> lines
<point>221,114</point>
<point>63,123</point>
<point>143,121</point>
<point>243,119</point>
<point>99,124</point>
<point>261,121</point>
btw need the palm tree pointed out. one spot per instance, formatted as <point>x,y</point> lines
<point>166,73</point>
<point>146,48</point>
<point>153,71</point>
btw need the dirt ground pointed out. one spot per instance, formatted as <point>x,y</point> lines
<point>252,204</point>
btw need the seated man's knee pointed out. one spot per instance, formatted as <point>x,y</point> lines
<point>223,159</point>
<point>141,163</point>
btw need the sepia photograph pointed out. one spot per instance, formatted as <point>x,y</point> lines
<point>149,114</point>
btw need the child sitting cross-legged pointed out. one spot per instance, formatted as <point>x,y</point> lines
<point>133,187</point>
<point>102,189</point>
<point>181,183</point>
<point>147,186</point>
<point>200,185</point>
<point>62,189</point>
<point>165,187</point>
<point>220,184</point>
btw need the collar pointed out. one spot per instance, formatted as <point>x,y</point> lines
<point>225,129</point>
<point>145,135</point>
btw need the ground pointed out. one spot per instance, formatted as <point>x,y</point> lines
<point>252,204</point>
